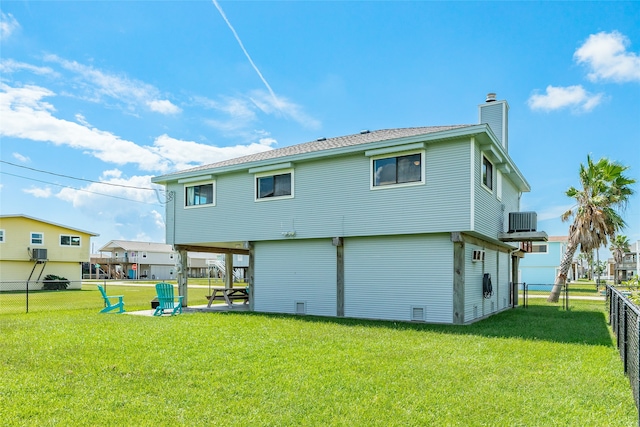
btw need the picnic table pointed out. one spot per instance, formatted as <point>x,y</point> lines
<point>228,295</point>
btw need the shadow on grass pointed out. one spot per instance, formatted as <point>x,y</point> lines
<point>537,322</point>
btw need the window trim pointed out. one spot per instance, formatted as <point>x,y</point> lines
<point>545,245</point>
<point>197,184</point>
<point>41,237</point>
<point>258,175</point>
<point>482,175</point>
<point>70,245</point>
<point>2,235</point>
<point>396,154</point>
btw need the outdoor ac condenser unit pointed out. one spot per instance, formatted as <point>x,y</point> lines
<point>522,221</point>
<point>39,254</point>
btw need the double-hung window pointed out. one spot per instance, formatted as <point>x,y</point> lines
<point>66,240</point>
<point>402,169</point>
<point>199,194</point>
<point>277,184</point>
<point>1,236</point>
<point>487,173</point>
<point>37,238</point>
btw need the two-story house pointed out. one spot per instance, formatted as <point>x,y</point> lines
<point>404,224</point>
<point>32,248</point>
<point>127,259</point>
<point>540,267</point>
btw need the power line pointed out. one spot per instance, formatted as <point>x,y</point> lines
<point>80,189</point>
<point>78,179</point>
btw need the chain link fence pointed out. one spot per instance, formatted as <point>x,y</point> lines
<point>46,295</point>
<point>624,318</point>
<point>21,297</point>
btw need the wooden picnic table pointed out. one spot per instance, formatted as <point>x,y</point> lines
<point>228,295</point>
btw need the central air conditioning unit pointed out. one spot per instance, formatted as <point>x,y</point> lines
<point>39,254</point>
<point>478,256</point>
<point>522,222</point>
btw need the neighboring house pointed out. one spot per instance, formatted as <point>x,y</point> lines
<point>126,259</point>
<point>32,248</point>
<point>398,224</point>
<point>137,260</point>
<point>542,263</point>
<point>629,267</point>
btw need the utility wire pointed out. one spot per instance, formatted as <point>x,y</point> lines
<point>78,179</point>
<point>80,189</point>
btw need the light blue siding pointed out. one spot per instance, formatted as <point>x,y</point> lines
<point>541,268</point>
<point>386,276</point>
<point>497,265</point>
<point>332,198</point>
<point>287,272</point>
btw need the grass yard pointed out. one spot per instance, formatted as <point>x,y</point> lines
<point>135,298</point>
<point>539,366</point>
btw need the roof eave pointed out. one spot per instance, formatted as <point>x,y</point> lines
<point>330,152</point>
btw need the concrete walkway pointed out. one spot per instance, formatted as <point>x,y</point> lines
<point>215,308</point>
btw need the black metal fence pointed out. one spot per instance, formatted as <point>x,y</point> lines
<point>624,318</point>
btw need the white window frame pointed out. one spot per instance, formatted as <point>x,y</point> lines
<point>71,237</point>
<point>1,235</point>
<point>493,168</point>
<point>41,238</point>
<point>423,161</point>
<point>259,175</point>
<point>197,184</point>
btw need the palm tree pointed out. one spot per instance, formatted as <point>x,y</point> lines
<point>605,189</point>
<point>619,245</point>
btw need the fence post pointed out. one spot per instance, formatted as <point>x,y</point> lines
<point>27,296</point>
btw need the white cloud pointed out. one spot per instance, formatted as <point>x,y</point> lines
<point>92,195</point>
<point>82,120</point>
<point>26,116</point>
<point>186,154</point>
<point>163,107</point>
<point>279,105</point>
<point>574,97</point>
<point>97,85</point>
<point>41,193</point>
<point>241,111</point>
<point>8,66</point>
<point>158,219</point>
<point>8,24</point>
<point>21,158</point>
<point>605,54</point>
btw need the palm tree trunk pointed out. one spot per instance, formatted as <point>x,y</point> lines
<point>567,260</point>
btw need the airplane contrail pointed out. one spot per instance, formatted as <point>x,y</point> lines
<point>275,98</point>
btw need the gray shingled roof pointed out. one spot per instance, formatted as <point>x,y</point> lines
<point>327,144</point>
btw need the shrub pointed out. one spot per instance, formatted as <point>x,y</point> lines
<point>52,282</point>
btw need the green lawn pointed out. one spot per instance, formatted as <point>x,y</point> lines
<point>539,366</point>
<point>135,297</point>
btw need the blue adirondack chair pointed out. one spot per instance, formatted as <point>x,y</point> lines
<point>107,302</point>
<point>166,300</point>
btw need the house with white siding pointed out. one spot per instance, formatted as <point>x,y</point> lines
<point>398,224</point>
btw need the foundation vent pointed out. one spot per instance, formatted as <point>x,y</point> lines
<point>418,313</point>
<point>301,307</point>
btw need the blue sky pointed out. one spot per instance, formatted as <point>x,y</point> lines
<point>117,92</point>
